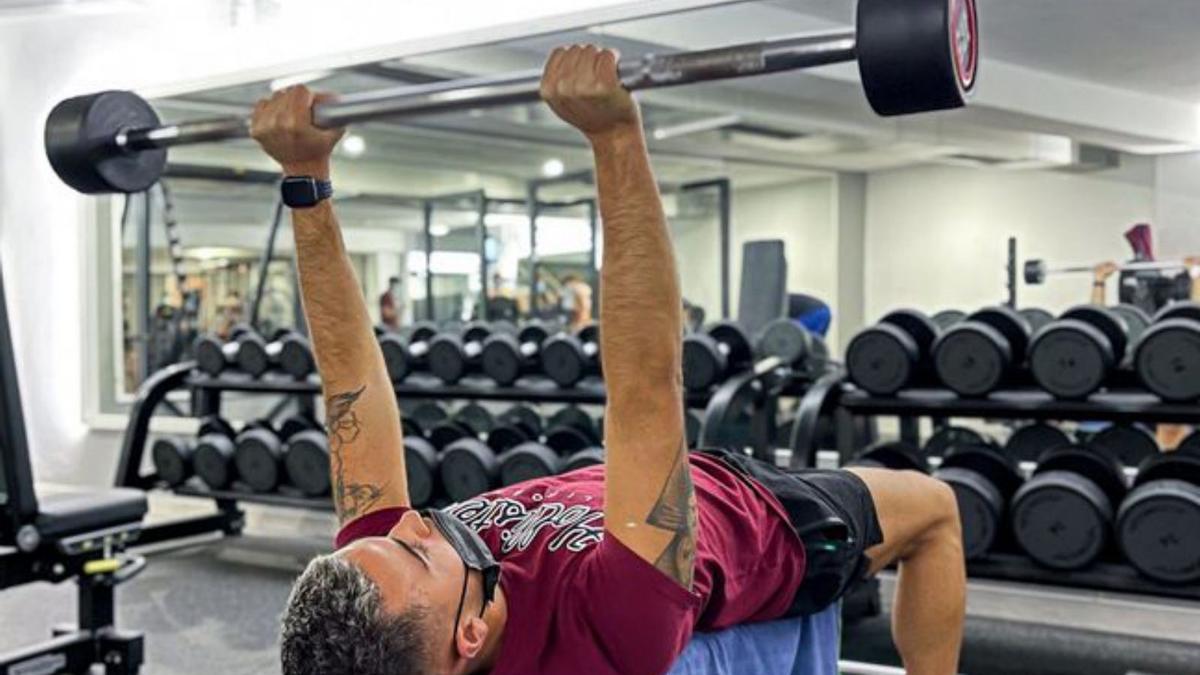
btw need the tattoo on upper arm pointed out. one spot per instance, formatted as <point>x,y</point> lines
<point>343,427</point>
<point>675,511</point>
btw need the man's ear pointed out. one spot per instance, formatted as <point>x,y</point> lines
<point>472,633</point>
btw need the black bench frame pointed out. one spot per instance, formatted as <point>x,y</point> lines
<point>86,557</point>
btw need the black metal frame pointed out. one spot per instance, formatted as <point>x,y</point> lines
<point>833,394</point>
<point>19,500</point>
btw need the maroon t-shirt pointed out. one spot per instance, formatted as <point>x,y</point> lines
<point>581,602</point>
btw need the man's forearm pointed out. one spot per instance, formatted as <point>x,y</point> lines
<point>640,308</point>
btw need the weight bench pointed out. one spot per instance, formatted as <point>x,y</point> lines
<point>60,537</point>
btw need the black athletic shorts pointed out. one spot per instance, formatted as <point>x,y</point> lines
<point>834,515</point>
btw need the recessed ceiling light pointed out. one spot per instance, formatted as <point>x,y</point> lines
<point>553,168</point>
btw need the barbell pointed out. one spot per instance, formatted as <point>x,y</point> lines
<point>913,56</point>
<point>1036,271</point>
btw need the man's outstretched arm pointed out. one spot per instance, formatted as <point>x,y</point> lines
<point>362,418</point>
<point>649,503</point>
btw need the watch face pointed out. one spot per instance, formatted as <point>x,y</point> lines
<point>300,191</point>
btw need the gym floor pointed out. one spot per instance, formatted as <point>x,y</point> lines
<point>214,607</point>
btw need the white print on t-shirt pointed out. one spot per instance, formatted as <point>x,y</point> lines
<point>575,525</point>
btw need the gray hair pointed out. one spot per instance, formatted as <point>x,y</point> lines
<point>335,623</point>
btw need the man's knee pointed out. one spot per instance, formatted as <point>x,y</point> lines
<point>915,512</point>
<point>941,509</point>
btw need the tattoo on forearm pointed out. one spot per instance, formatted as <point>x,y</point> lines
<point>343,427</point>
<point>675,511</point>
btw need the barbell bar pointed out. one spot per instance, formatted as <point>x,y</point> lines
<point>913,56</point>
<point>1036,271</point>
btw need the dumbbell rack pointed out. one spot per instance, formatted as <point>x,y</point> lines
<point>835,395</point>
<point>206,392</point>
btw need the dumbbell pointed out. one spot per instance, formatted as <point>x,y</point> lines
<point>583,459</point>
<point>1037,318</point>
<point>468,467</point>
<point>1028,442</point>
<point>519,424</point>
<point>1167,359</point>
<point>306,455</point>
<point>895,455</point>
<point>570,430</point>
<point>422,418</point>
<point>259,448</point>
<point>453,355</point>
<point>172,457</point>
<point>893,354</point>
<point>980,353</point>
<point>984,480</point>
<point>947,318</point>
<point>406,353</point>
<point>470,421</point>
<point>1129,444</point>
<point>793,345</point>
<point>1063,516</point>
<point>422,467</point>
<point>567,359</point>
<point>213,458</point>
<point>709,357</point>
<point>287,350</point>
<point>1074,355</point>
<point>528,461</point>
<point>1158,523</point>
<point>507,357</point>
<point>945,439</point>
<point>1136,323</point>
<point>214,355</point>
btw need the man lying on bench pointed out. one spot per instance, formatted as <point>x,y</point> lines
<point>605,570</point>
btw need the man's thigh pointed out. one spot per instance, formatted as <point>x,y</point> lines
<point>911,506</point>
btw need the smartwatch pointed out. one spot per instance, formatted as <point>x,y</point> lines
<point>303,192</point>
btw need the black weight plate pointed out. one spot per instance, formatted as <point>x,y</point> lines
<point>294,424</point>
<point>252,357</point>
<point>422,331</point>
<point>505,436</point>
<point>568,440</point>
<point>172,460</point>
<point>691,428</point>
<point>468,468</point>
<point>476,417</point>
<point>1190,444</point>
<point>584,458</point>
<point>213,460</point>
<point>1158,528</point>
<point>736,341</point>
<point>257,457</point>
<point>786,340</point>
<point>478,331</point>
<point>1071,359</point>
<point>947,318</point>
<point>972,358</point>
<point>1106,321</point>
<point>535,332</point>
<point>918,55</point>
<point>447,358</point>
<point>79,138</point>
<point>1102,470</point>
<point>411,427</point>
<point>573,417</point>
<point>1061,520</point>
<point>210,355</point>
<point>421,467</point>
<point>306,462</point>
<point>525,416</point>
<point>896,455</point>
<point>214,424</point>
<point>1128,444</point>
<point>1028,443</point>
<point>1009,322</point>
<point>1136,321</point>
<point>1168,359</point>
<point>395,357</point>
<point>1184,466</point>
<point>296,357</point>
<point>501,359</point>
<point>443,434</point>
<point>563,360</point>
<point>1179,310</point>
<point>528,461</point>
<point>882,359</point>
<point>980,508</point>
<point>428,414</point>
<point>1037,318</point>
<point>920,327</point>
<point>1035,271</point>
<point>997,468</point>
<point>946,438</point>
<point>704,363</point>
<point>589,333</point>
